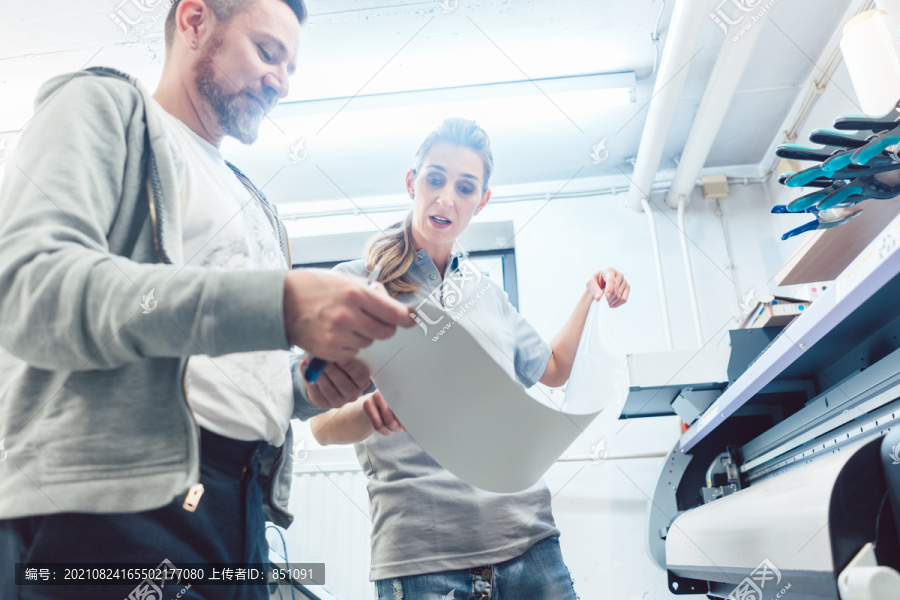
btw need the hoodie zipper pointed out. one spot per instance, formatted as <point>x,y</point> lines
<point>195,492</point>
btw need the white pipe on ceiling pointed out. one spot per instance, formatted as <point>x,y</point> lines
<point>688,17</point>
<point>723,83</point>
<point>314,209</point>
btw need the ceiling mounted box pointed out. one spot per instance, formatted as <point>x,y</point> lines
<point>715,187</point>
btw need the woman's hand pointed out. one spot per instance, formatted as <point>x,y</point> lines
<point>611,283</point>
<point>355,421</point>
<point>380,414</point>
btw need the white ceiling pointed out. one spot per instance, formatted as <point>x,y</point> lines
<point>363,46</point>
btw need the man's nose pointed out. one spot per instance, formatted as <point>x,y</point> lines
<point>277,84</point>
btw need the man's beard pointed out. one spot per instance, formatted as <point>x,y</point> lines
<point>230,109</point>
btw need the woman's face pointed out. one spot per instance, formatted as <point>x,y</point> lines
<point>446,193</point>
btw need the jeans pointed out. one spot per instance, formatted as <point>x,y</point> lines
<point>538,574</point>
<point>227,527</point>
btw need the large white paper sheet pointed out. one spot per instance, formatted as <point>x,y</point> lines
<point>467,413</point>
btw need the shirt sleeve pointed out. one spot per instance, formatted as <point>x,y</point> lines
<point>358,268</point>
<point>532,353</point>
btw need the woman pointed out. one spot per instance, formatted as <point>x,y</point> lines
<point>435,536</point>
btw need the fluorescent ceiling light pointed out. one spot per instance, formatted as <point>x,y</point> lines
<point>494,106</point>
<point>623,83</point>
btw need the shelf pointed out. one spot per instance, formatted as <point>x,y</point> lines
<point>827,252</point>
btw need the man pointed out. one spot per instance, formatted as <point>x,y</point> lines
<point>127,245</point>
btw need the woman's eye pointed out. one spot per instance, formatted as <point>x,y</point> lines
<point>435,181</point>
<point>466,189</point>
<point>265,55</point>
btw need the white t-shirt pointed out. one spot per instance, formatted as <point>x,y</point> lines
<point>247,395</point>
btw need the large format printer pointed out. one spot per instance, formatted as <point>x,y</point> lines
<point>787,482</point>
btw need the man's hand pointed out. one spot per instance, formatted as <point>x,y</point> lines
<point>380,414</point>
<point>611,283</point>
<point>333,315</point>
<point>339,383</point>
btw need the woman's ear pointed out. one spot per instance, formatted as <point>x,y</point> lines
<point>410,179</point>
<point>484,200</point>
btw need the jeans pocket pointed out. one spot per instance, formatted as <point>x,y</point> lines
<point>390,589</point>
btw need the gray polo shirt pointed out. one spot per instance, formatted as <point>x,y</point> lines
<point>426,520</point>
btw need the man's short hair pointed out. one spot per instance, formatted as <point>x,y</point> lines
<point>224,10</point>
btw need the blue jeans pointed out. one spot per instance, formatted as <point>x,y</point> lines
<point>538,574</point>
<point>227,527</point>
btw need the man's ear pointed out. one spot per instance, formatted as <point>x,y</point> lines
<point>192,22</point>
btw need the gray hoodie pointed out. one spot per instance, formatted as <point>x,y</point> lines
<point>93,408</point>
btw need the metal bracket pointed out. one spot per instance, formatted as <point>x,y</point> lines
<point>681,586</point>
